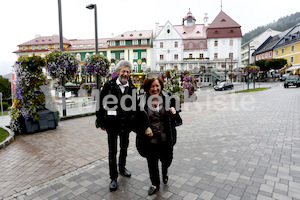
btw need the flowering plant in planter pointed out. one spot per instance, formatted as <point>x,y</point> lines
<point>29,97</point>
<point>62,64</point>
<point>172,83</point>
<point>190,84</point>
<point>96,64</point>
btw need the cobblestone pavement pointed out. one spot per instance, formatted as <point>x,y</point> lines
<point>231,146</point>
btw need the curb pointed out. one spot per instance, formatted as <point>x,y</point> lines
<point>9,139</point>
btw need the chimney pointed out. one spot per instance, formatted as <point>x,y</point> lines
<point>182,21</point>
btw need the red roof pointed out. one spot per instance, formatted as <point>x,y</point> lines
<point>42,40</point>
<point>223,27</point>
<point>133,35</point>
<point>84,44</point>
<point>223,21</point>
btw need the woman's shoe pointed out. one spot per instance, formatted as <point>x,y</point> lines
<point>165,178</point>
<point>152,189</point>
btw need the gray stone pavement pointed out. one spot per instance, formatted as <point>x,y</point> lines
<point>231,146</point>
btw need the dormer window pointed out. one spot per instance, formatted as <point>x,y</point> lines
<point>122,35</point>
<point>231,31</point>
<point>184,32</point>
<point>131,35</point>
<point>216,32</point>
<point>140,34</point>
<point>198,32</point>
<point>223,20</point>
<point>168,31</point>
<point>36,40</point>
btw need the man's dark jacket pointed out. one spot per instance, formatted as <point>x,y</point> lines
<point>123,119</point>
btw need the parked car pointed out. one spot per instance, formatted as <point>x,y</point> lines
<point>223,86</point>
<point>292,80</point>
<point>283,77</point>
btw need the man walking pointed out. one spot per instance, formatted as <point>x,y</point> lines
<point>115,116</point>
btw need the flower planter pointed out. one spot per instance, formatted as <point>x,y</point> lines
<point>47,120</point>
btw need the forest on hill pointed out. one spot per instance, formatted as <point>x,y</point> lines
<point>281,25</point>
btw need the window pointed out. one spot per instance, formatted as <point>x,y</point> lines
<point>144,41</point>
<point>56,46</point>
<point>175,56</point>
<point>282,51</point>
<point>113,56</point>
<point>191,45</point>
<point>293,48</point>
<point>122,56</point>
<point>263,56</point>
<point>46,46</point>
<point>144,67</point>
<point>161,57</point>
<point>276,53</point>
<point>135,42</point>
<point>135,55</point>
<point>40,47</point>
<point>216,56</point>
<point>144,55</point>
<point>161,44</point>
<point>292,59</point>
<point>231,42</point>
<point>122,42</point>
<point>266,55</point>
<point>87,55</point>
<point>176,44</point>
<point>33,47</point>
<point>270,54</point>
<point>216,43</point>
<point>201,45</point>
<point>23,47</point>
<point>190,55</point>
<point>135,67</point>
<point>201,55</point>
<point>78,57</point>
<point>230,55</point>
<point>112,43</point>
<point>112,67</point>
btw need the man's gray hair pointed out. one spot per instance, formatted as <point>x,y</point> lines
<point>123,63</point>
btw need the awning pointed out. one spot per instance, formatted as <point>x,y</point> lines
<point>293,68</point>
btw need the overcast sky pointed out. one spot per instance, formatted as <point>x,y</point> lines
<point>21,20</point>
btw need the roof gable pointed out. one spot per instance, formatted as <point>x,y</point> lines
<point>223,21</point>
<point>168,32</point>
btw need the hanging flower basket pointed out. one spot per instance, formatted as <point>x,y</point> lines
<point>96,64</point>
<point>62,64</point>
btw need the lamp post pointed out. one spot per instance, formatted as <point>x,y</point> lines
<point>61,47</point>
<point>94,6</point>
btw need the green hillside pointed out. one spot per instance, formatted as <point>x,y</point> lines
<point>281,24</point>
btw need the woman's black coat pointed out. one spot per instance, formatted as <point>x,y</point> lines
<point>143,122</point>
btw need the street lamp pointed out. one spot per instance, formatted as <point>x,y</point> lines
<point>61,48</point>
<point>94,6</point>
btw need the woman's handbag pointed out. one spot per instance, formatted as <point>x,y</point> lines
<point>177,120</point>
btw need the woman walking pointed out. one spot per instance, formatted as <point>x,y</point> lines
<point>156,134</point>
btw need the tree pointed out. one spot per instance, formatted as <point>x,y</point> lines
<point>275,63</point>
<point>5,88</point>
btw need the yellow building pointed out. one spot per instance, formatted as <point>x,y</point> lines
<point>289,48</point>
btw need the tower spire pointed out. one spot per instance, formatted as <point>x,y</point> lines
<point>221,5</point>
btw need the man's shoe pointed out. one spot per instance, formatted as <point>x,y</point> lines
<point>125,172</point>
<point>113,185</point>
<point>152,189</point>
<point>165,178</point>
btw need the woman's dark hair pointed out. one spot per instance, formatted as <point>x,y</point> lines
<point>148,82</point>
